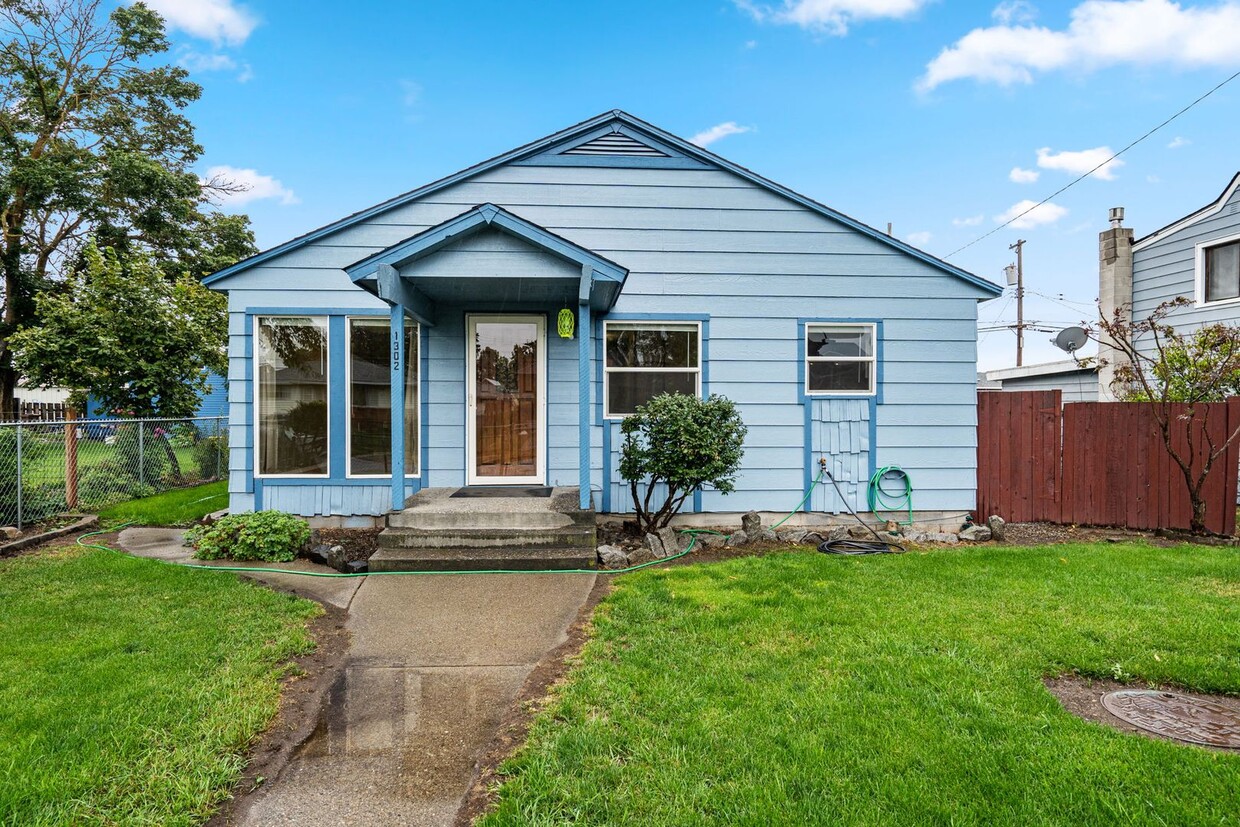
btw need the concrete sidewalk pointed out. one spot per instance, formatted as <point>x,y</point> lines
<point>434,663</point>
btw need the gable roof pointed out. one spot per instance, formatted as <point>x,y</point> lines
<point>1213,208</point>
<point>679,152</point>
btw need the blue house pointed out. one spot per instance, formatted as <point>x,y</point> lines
<point>519,309</point>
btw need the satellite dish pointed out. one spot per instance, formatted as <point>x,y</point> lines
<point>1070,339</point>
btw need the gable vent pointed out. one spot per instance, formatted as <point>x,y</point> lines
<point>615,143</point>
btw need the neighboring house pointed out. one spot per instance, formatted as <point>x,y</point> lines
<point>213,402</point>
<point>1197,257</point>
<point>681,271</point>
<point>1079,383</point>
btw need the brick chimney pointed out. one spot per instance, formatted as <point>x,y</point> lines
<point>1114,291</point>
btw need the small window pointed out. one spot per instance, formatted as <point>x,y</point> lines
<point>645,359</point>
<point>1222,272</point>
<point>291,372</point>
<point>370,398</point>
<point>840,359</point>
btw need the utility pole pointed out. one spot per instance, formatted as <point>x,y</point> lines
<point>1020,300</point>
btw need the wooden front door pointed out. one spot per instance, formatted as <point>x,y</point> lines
<point>506,392</point>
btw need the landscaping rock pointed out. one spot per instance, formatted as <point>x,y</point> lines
<point>892,527</point>
<point>751,523</point>
<point>710,540</point>
<point>941,537</point>
<point>998,526</point>
<point>892,537</point>
<point>839,533</point>
<point>9,532</point>
<point>765,535</point>
<point>639,555</point>
<point>859,532</point>
<point>612,557</point>
<point>356,567</point>
<point>737,538</point>
<point>671,541</point>
<point>917,537</point>
<point>336,558</point>
<point>813,538</point>
<point>796,536</point>
<point>976,534</point>
<point>318,554</point>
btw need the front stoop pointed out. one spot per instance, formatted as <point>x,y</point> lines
<point>436,532</point>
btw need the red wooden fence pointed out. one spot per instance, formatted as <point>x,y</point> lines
<point>1098,463</point>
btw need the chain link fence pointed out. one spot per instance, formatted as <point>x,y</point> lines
<point>48,468</point>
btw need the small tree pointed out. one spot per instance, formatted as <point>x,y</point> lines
<point>123,333</point>
<point>684,443</point>
<point>1176,375</point>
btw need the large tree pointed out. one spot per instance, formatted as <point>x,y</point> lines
<point>94,143</point>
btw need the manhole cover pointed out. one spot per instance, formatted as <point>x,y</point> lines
<point>1196,720</point>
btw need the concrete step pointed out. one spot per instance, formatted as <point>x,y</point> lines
<point>567,537</point>
<point>425,518</point>
<point>482,559</point>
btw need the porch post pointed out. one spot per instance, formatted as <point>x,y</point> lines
<point>585,333</point>
<point>398,407</point>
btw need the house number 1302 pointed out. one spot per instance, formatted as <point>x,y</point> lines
<point>395,350</point>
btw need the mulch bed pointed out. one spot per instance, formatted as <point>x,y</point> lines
<point>358,543</point>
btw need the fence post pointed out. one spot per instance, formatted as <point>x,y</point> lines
<point>71,460</point>
<point>19,476</point>
<point>141,453</point>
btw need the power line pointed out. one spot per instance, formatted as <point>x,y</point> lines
<point>1080,178</point>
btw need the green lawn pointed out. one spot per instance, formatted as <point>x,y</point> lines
<point>806,689</point>
<point>130,689</point>
<point>180,506</point>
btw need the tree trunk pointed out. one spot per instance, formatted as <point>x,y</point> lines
<point>172,460</point>
<point>8,388</point>
<point>1197,525</point>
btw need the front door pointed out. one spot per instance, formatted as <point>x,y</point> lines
<point>506,400</point>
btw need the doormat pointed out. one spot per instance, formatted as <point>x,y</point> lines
<point>502,491</point>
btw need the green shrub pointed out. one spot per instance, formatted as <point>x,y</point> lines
<point>272,536</point>
<point>683,443</point>
<point>110,482</point>
<point>35,500</point>
<point>211,456</point>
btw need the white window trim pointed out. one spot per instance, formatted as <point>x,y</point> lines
<point>873,359</point>
<point>348,398</point>
<point>254,415</point>
<point>1199,271</point>
<point>697,386</point>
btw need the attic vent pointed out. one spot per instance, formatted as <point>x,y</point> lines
<point>615,143</point>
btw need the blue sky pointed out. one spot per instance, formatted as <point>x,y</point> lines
<point>938,117</point>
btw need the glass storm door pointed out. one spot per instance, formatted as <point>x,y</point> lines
<point>506,387</point>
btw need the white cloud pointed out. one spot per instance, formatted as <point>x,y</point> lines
<point>829,16</point>
<point>196,61</point>
<point>220,21</point>
<point>1101,33</point>
<point>1023,176</point>
<point>257,187</point>
<point>411,92</point>
<point>971,221</point>
<point>1153,179</point>
<point>718,131</point>
<point>1178,142</point>
<point>1014,11</point>
<point>1081,162</point>
<point>920,238</point>
<point>1034,214</point>
<point>751,44</point>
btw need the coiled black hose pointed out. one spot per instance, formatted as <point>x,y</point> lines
<point>851,547</point>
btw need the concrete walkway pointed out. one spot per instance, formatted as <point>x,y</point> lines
<point>434,663</point>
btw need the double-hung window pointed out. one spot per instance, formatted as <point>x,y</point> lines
<point>370,397</point>
<point>1222,271</point>
<point>840,359</point>
<point>291,373</point>
<point>645,359</point>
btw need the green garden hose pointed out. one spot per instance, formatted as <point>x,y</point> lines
<point>884,499</point>
<point>692,532</point>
